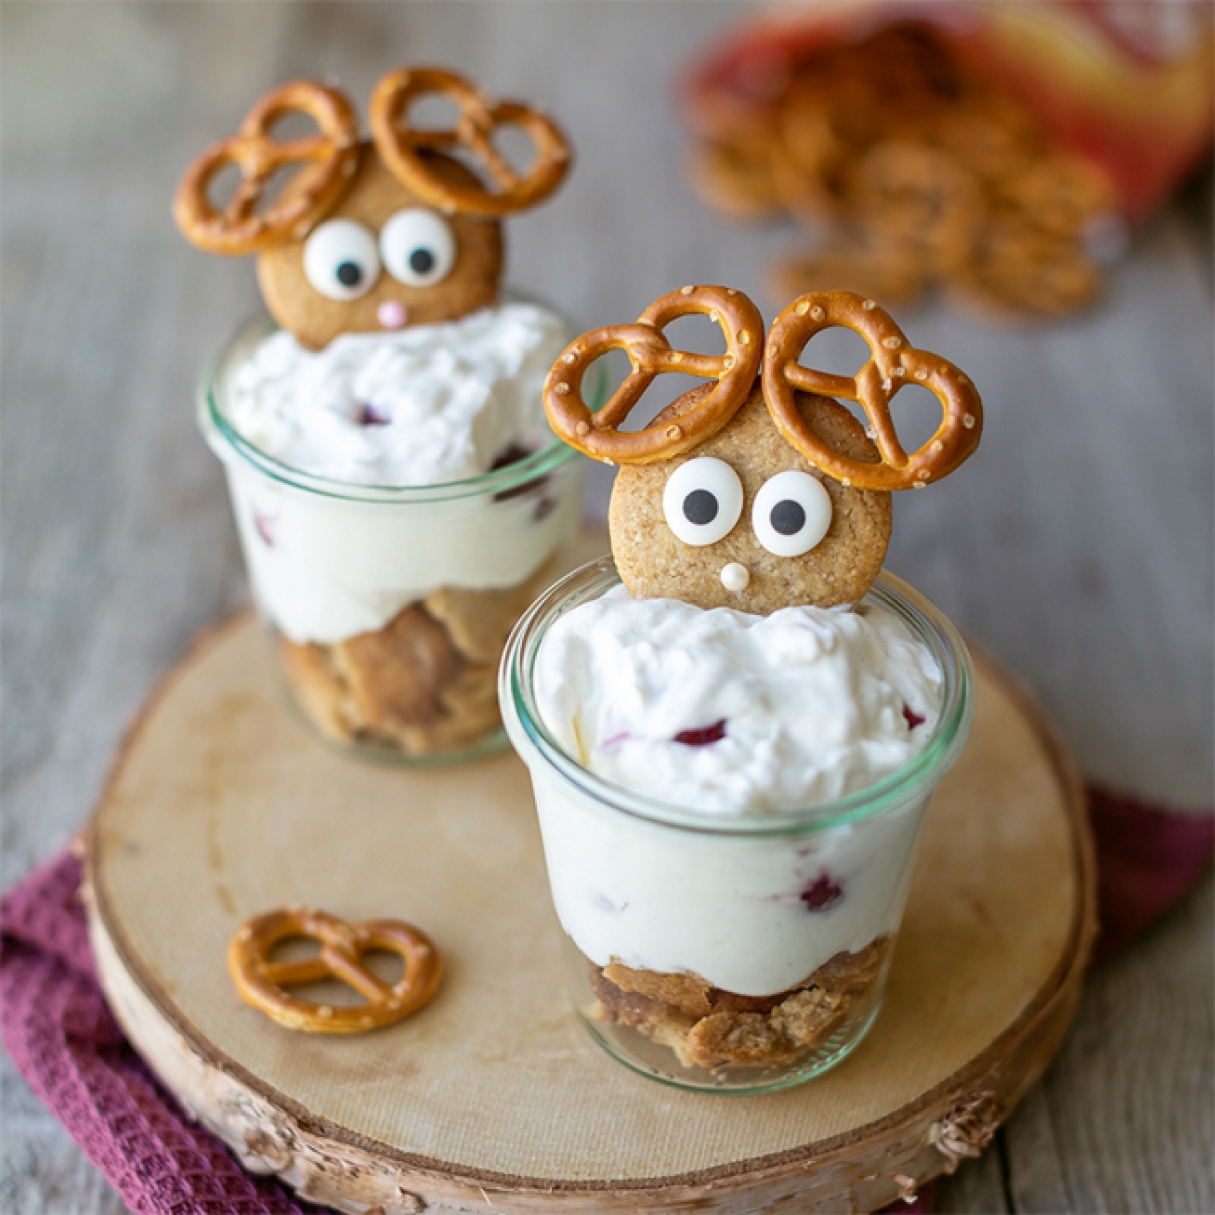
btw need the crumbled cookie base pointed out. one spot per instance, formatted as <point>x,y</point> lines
<point>423,684</point>
<point>711,1028</point>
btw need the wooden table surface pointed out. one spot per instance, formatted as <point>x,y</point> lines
<point>1077,545</point>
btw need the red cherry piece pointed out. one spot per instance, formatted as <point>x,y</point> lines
<point>703,736</point>
<point>822,893</point>
<point>369,415</point>
<point>264,526</point>
<point>912,718</point>
<point>510,455</point>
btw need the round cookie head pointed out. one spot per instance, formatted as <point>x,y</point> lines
<point>792,535</point>
<point>409,265</point>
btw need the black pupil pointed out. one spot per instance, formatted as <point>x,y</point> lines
<point>349,274</point>
<point>700,507</point>
<point>421,261</point>
<point>788,517</point>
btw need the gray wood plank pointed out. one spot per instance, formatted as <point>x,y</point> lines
<point>1077,545</point>
<point>1123,1121</point>
<point>977,1187</point>
<point>42,1172</point>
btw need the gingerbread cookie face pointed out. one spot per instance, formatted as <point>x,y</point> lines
<point>777,509</point>
<point>384,259</point>
<point>759,490</point>
<point>368,237</point>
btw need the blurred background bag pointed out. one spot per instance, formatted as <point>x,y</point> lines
<point>1000,151</point>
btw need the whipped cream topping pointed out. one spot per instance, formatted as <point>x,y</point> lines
<point>727,713</point>
<point>424,405</point>
<point>324,569</point>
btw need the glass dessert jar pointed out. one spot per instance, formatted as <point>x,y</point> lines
<point>389,606</point>
<point>728,953</point>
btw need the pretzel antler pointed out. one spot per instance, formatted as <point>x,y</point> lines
<point>893,363</point>
<point>596,434</point>
<point>328,160</point>
<point>403,148</point>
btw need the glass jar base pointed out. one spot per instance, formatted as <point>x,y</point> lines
<point>658,1062</point>
<point>494,742</point>
<point>490,745</point>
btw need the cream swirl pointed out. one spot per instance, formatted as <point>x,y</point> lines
<point>423,405</point>
<point>733,714</point>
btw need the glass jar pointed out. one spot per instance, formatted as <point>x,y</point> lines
<point>728,954</point>
<point>388,607</point>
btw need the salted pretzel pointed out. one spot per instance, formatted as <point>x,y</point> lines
<point>328,161</point>
<point>894,362</point>
<point>597,434</point>
<point>403,147</point>
<point>921,199</point>
<point>261,982</point>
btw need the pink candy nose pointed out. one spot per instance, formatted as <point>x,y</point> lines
<point>392,314</point>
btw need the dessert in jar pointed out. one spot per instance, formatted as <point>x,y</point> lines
<point>399,496</point>
<point>734,726</point>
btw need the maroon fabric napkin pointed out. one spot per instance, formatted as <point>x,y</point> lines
<point>1147,858</point>
<point>61,1035</point>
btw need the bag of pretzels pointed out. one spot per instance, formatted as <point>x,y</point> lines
<point>1000,152</point>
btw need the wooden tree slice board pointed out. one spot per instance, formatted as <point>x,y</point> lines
<point>493,1098</point>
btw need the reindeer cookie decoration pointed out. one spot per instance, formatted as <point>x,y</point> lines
<point>759,491</point>
<point>371,236</point>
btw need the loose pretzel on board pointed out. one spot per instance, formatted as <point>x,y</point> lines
<point>403,147</point>
<point>262,983</point>
<point>596,434</point>
<point>893,364</point>
<point>328,160</point>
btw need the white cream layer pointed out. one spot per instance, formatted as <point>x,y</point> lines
<point>446,401</point>
<point>422,405</point>
<point>812,702</point>
<point>325,569</point>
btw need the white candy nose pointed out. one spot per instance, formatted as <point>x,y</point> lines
<point>735,577</point>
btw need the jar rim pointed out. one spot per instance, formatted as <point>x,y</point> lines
<point>911,781</point>
<point>226,441</point>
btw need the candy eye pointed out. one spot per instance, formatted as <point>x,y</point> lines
<point>418,247</point>
<point>791,513</point>
<point>702,501</point>
<point>340,260</point>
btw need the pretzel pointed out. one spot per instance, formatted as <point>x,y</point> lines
<point>887,270</point>
<point>893,363</point>
<point>329,158</point>
<point>895,143</point>
<point>596,434</point>
<point>921,198</point>
<point>261,982</point>
<point>403,148</point>
<point>1021,272</point>
<point>737,177</point>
